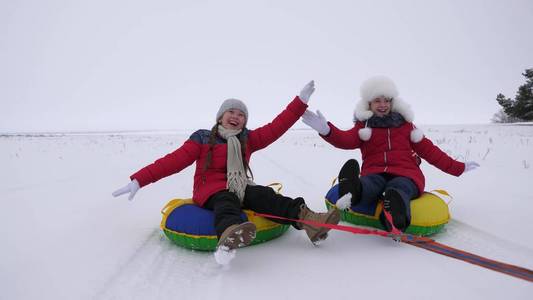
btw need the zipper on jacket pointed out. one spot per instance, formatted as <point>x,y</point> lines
<point>385,153</point>
<point>388,138</point>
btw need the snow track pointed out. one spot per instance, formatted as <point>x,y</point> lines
<point>157,268</point>
<point>466,237</point>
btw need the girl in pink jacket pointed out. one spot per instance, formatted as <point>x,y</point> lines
<point>223,179</point>
<point>391,148</point>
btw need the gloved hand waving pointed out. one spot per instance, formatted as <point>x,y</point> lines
<point>130,188</point>
<point>307,91</point>
<point>470,165</point>
<point>316,121</point>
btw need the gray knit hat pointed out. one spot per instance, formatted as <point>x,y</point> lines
<point>232,103</point>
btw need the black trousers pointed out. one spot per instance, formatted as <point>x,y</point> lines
<point>261,199</point>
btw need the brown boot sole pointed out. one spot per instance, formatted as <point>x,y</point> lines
<point>240,235</point>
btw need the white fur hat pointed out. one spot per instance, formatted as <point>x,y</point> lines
<point>232,104</point>
<point>380,86</point>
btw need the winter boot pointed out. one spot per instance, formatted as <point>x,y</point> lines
<point>316,233</point>
<point>349,181</point>
<point>393,203</point>
<point>237,236</point>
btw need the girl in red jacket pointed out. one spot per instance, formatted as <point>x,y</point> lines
<point>223,179</point>
<point>391,147</point>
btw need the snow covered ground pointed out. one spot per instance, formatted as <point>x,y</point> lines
<point>65,237</point>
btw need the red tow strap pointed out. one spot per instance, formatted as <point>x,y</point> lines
<point>424,243</point>
<point>352,229</point>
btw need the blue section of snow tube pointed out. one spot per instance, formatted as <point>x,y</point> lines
<point>193,220</point>
<point>362,208</point>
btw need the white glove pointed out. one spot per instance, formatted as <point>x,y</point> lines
<point>470,165</point>
<point>344,202</point>
<point>316,121</point>
<point>131,188</point>
<point>307,91</point>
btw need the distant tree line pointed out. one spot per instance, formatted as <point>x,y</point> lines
<point>521,107</point>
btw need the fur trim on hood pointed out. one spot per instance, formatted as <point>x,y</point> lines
<point>379,86</point>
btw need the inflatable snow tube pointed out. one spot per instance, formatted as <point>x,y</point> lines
<point>190,226</point>
<point>429,213</point>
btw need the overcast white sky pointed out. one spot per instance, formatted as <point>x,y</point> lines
<point>168,64</point>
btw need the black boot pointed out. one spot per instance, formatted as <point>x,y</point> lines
<point>349,180</point>
<point>393,203</point>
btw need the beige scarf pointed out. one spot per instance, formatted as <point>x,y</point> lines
<point>237,179</point>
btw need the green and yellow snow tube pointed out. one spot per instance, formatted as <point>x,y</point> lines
<point>429,212</point>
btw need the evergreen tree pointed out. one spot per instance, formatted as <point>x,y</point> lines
<point>524,98</point>
<point>522,106</point>
<point>502,117</point>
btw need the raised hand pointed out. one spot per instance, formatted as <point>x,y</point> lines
<point>316,121</point>
<point>307,91</point>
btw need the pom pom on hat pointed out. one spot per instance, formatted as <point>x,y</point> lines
<point>416,135</point>
<point>232,104</point>
<point>365,133</point>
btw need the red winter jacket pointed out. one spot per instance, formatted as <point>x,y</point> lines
<point>390,150</point>
<point>195,149</point>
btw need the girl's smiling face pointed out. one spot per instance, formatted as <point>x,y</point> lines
<point>381,106</point>
<point>233,119</point>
